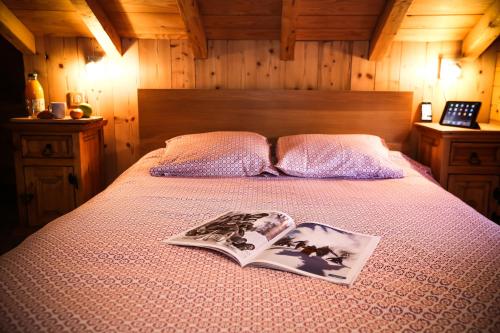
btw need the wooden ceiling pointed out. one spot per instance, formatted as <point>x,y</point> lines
<point>380,21</point>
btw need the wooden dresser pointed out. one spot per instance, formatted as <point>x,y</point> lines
<point>466,162</point>
<point>59,165</point>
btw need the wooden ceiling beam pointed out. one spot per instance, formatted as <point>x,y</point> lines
<point>289,20</point>
<point>387,27</point>
<point>486,30</point>
<point>191,16</point>
<point>99,25</point>
<point>15,31</point>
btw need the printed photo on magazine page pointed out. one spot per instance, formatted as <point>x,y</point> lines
<point>321,251</point>
<point>240,234</point>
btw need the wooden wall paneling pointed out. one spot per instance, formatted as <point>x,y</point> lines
<point>495,98</point>
<point>126,117</point>
<point>56,70</point>
<point>395,66</point>
<point>242,27</point>
<point>363,70</point>
<point>155,63</point>
<point>449,88</point>
<point>99,93</point>
<point>431,35</point>
<point>53,56</point>
<point>71,65</point>
<point>38,63</point>
<point>61,5</point>
<point>241,64</point>
<point>149,25</point>
<point>335,65</point>
<point>387,70</point>
<point>236,22</point>
<point>439,21</point>
<point>476,83</point>
<point>489,68</point>
<point>302,73</point>
<point>148,63</point>
<point>144,6</point>
<point>243,34</point>
<point>412,72</point>
<point>211,73</point>
<point>239,7</point>
<point>53,23</point>
<point>250,64</point>
<point>337,22</point>
<point>235,61</point>
<point>269,70</point>
<point>333,34</point>
<point>336,7</point>
<point>183,68</point>
<point>432,89</point>
<point>447,7</point>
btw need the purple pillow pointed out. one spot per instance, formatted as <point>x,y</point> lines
<point>225,154</point>
<point>357,156</point>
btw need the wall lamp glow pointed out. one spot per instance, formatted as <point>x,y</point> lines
<point>99,67</point>
<point>93,66</point>
<point>449,69</point>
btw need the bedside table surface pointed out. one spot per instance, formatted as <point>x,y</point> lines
<point>66,120</point>
<point>485,127</point>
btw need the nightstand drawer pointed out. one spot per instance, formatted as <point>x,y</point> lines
<point>46,146</point>
<point>475,154</point>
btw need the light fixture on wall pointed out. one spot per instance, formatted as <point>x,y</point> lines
<point>93,65</point>
<point>100,67</point>
<point>449,69</point>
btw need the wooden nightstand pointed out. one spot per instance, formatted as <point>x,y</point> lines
<point>59,165</point>
<point>466,162</point>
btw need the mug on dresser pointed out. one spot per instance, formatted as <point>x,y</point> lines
<point>58,109</point>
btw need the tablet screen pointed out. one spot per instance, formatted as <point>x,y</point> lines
<point>461,114</point>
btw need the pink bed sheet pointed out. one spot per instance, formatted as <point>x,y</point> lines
<point>104,267</point>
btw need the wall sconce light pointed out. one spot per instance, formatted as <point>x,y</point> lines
<point>449,69</point>
<point>93,65</point>
<point>100,67</point>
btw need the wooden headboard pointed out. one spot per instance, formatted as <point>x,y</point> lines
<point>165,113</point>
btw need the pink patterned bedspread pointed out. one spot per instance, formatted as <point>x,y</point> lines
<point>104,267</point>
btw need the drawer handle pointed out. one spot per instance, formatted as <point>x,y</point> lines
<point>474,159</point>
<point>47,151</point>
<point>73,180</point>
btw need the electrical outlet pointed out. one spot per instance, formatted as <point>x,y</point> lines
<point>73,99</point>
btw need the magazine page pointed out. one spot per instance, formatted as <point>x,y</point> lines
<point>321,251</point>
<point>242,235</point>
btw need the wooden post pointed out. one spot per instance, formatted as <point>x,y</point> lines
<point>483,33</point>
<point>99,25</point>
<point>194,27</point>
<point>15,31</point>
<point>387,26</point>
<point>289,15</point>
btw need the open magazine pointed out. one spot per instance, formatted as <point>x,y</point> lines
<point>271,239</point>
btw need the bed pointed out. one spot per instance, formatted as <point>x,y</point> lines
<point>104,267</point>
